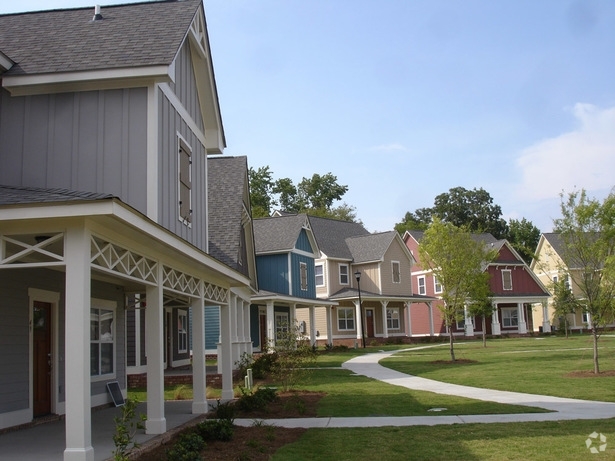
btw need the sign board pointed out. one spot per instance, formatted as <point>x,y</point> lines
<point>116,393</point>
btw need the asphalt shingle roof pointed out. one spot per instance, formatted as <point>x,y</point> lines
<point>129,35</point>
<point>331,235</point>
<point>372,247</point>
<point>277,234</point>
<point>16,195</point>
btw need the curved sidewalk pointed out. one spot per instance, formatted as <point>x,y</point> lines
<point>367,365</point>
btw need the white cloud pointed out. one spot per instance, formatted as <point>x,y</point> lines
<point>391,147</point>
<point>583,158</point>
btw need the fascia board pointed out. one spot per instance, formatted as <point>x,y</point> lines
<point>5,62</point>
<point>20,85</point>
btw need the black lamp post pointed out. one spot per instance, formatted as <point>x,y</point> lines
<point>357,275</point>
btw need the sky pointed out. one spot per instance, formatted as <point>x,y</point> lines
<point>403,100</point>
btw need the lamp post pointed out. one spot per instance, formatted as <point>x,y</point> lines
<point>357,275</point>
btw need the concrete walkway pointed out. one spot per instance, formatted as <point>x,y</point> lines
<point>367,365</point>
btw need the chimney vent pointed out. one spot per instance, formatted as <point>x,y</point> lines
<point>97,15</point>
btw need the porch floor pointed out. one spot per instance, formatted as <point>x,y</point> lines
<point>47,441</point>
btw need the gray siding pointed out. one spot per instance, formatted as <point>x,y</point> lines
<point>91,141</point>
<point>184,86</point>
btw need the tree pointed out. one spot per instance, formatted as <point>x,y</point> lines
<point>319,192</point>
<point>523,237</point>
<point>564,302</point>
<point>287,193</point>
<point>587,231</point>
<point>481,303</point>
<point>457,260</point>
<point>261,188</point>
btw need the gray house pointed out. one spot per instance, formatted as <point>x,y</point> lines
<point>106,125</point>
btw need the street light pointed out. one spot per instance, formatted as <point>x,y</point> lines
<point>357,275</point>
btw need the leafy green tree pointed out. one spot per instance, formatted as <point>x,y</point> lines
<point>564,301</point>
<point>319,192</point>
<point>481,303</point>
<point>261,188</point>
<point>587,231</point>
<point>287,193</point>
<point>523,237</point>
<point>457,260</point>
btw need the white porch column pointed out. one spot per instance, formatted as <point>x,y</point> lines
<point>292,316</point>
<point>312,325</point>
<point>408,319</point>
<point>225,358</point>
<point>234,333</point>
<point>240,331</point>
<point>199,379</point>
<point>546,324</point>
<point>385,326</point>
<point>329,314</point>
<point>521,315</point>
<point>77,351</point>
<point>246,327</point>
<point>154,337</point>
<point>495,321</point>
<point>270,327</point>
<point>430,308</point>
<point>359,318</point>
<point>468,326</point>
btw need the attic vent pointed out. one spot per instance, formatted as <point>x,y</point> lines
<point>97,15</point>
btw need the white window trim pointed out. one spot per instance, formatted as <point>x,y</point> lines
<point>393,264</point>
<point>182,313</point>
<point>392,317</point>
<point>504,271</point>
<point>418,284</point>
<point>322,267</point>
<point>282,323</point>
<point>345,309</point>
<point>110,306</point>
<point>512,310</point>
<point>436,284</point>
<point>183,144</point>
<point>347,274</point>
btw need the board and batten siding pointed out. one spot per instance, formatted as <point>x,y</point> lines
<point>296,261</point>
<point>273,273</point>
<point>396,252</point>
<point>94,141</point>
<point>184,86</point>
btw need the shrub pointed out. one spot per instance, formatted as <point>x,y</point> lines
<point>187,448</point>
<point>215,429</point>
<point>245,361</point>
<point>262,366</point>
<point>126,427</point>
<point>225,411</point>
<point>257,400</point>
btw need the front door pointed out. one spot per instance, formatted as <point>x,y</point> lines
<point>42,360</point>
<point>369,322</point>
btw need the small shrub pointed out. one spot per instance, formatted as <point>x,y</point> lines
<point>215,429</point>
<point>262,366</point>
<point>126,427</point>
<point>244,363</point>
<point>187,448</point>
<point>295,402</point>
<point>225,411</point>
<point>256,400</point>
<point>179,393</point>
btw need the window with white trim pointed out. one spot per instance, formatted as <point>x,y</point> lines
<point>185,181</point>
<point>421,284</point>
<point>345,318</point>
<point>461,324</point>
<point>437,286</point>
<point>567,282</point>
<point>585,318</point>
<point>343,274</point>
<point>281,325</point>
<point>396,269</point>
<point>102,341</point>
<point>393,318</point>
<point>510,317</point>
<point>319,275</point>
<point>182,331</point>
<point>507,279</point>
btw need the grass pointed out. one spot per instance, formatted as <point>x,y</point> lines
<point>538,441</point>
<point>530,365</point>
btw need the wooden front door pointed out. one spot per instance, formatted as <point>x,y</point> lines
<point>369,322</point>
<point>42,360</point>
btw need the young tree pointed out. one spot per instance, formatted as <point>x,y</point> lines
<point>564,302</point>
<point>481,302</point>
<point>457,261</point>
<point>587,231</point>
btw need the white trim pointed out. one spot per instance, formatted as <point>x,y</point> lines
<point>418,285</point>
<point>339,273</point>
<point>321,265</point>
<point>503,271</point>
<point>182,313</point>
<point>106,304</point>
<point>393,263</point>
<point>182,111</point>
<point>435,284</point>
<point>152,152</point>
<point>15,418</point>
<point>182,144</point>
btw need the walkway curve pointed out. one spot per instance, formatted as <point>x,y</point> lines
<point>367,365</point>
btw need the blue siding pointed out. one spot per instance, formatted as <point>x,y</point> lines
<point>303,242</point>
<point>296,275</point>
<point>212,327</point>
<point>272,273</point>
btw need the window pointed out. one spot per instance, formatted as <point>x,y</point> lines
<point>396,271</point>
<point>102,341</point>
<point>567,282</point>
<point>319,272</point>
<point>345,318</point>
<point>585,318</point>
<point>437,286</point>
<point>304,276</point>
<point>185,182</point>
<point>506,279</point>
<point>510,317</point>
<point>281,325</point>
<point>461,324</point>
<point>555,279</point>
<point>343,274</point>
<point>182,331</point>
<point>393,318</point>
<point>422,288</point>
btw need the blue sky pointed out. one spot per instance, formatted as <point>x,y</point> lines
<point>404,99</point>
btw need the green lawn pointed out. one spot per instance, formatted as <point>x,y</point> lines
<point>531,365</point>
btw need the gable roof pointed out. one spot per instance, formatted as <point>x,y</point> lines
<point>69,40</point>
<point>331,235</point>
<point>278,234</point>
<point>16,195</point>
<point>227,178</point>
<point>371,247</point>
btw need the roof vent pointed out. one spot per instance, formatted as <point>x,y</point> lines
<point>97,15</point>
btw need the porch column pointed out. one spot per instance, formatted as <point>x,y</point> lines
<point>430,308</point>
<point>199,379</point>
<point>521,315</point>
<point>240,337</point>
<point>270,328</point>
<point>77,351</point>
<point>154,337</point>
<point>329,312</point>
<point>468,326</point>
<point>234,334</point>
<point>359,318</point>
<point>226,358</point>
<point>292,316</point>
<point>495,321</point>
<point>408,319</point>
<point>546,324</point>
<point>246,327</point>
<point>312,325</point>
<point>385,326</point>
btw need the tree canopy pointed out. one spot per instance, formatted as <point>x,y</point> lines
<point>315,195</point>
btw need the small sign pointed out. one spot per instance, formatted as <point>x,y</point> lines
<point>116,393</point>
